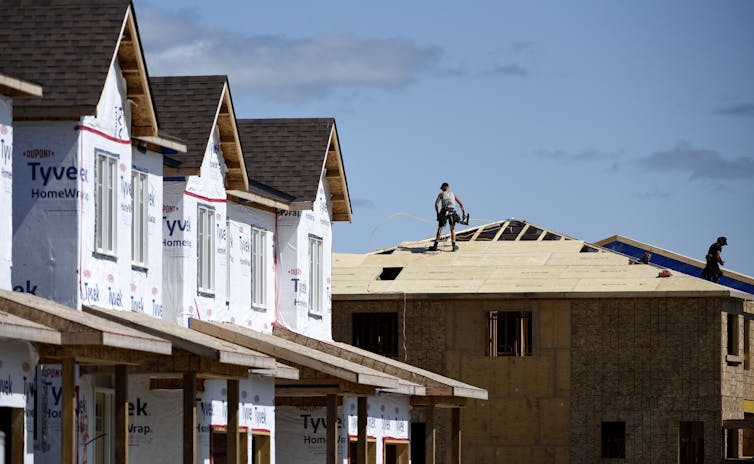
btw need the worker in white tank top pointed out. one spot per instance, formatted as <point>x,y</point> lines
<point>447,214</point>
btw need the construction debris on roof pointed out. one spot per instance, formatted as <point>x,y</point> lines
<point>508,259</point>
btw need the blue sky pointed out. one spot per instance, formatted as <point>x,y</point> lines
<point>588,118</point>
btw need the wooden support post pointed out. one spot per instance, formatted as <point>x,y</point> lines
<point>332,429</point>
<point>234,446</point>
<point>68,416</point>
<point>189,418</point>
<point>16,442</point>
<point>455,440</point>
<point>430,436</point>
<point>121,414</point>
<point>361,445</point>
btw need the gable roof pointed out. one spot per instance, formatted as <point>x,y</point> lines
<point>290,155</point>
<point>190,107</point>
<point>675,261</point>
<point>67,46</point>
<point>501,263</point>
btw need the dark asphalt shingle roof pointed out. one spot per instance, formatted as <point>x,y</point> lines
<point>286,154</point>
<point>187,106</point>
<point>64,45</point>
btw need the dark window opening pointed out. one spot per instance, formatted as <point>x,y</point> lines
<point>691,442</point>
<point>731,443</point>
<point>733,334</point>
<point>418,452</point>
<point>389,273</point>
<point>613,440</point>
<point>376,332</point>
<point>510,333</point>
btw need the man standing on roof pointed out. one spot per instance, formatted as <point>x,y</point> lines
<point>712,270</point>
<point>445,207</point>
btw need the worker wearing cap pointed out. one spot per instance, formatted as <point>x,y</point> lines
<point>712,270</point>
<point>445,207</point>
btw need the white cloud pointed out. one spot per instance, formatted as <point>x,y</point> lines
<point>700,163</point>
<point>279,66</point>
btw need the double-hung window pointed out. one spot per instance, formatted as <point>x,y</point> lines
<point>140,218</point>
<point>258,268</point>
<point>106,202</point>
<point>315,275</point>
<point>205,239</point>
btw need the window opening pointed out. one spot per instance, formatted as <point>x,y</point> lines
<point>389,273</point>
<point>613,440</point>
<point>691,442</point>
<point>733,334</point>
<point>376,332</point>
<point>510,333</point>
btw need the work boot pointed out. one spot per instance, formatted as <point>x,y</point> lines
<point>455,247</point>
<point>433,247</point>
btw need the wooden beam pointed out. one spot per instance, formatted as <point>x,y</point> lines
<point>68,415</point>
<point>143,131</point>
<point>51,354</point>
<point>332,429</point>
<point>16,442</point>
<point>121,414</point>
<point>430,437</point>
<point>361,444</point>
<point>233,438</point>
<point>172,383</point>
<point>306,401</point>
<point>455,439</point>
<point>189,418</point>
<point>438,401</point>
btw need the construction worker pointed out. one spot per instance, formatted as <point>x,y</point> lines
<point>712,270</point>
<point>445,208</point>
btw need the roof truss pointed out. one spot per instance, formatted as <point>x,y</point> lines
<point>335,176</point>
<point>230,143</point>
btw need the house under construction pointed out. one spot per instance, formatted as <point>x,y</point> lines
<point>587,354</point>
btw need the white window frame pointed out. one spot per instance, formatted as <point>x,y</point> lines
<point>228,256</point>
<point>315,275</point>
<point>205,250</point>
<point>106,203</point>
<point>258,268</point>
<point>140,219</point>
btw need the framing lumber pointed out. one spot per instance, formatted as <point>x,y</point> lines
<point>259,200</point>
<point>361,446</point>
<point>430,437</point>
<point>77,327</point>
<point>16,443</point>
<point>233,439</point>
<point>455,438</point>
<point>189,418</point>
<point>312,363</point>
<point>68,412</point>
<point>20,329</point>
<point>306,401</point>
<point>208,347</point>
<point>332,429</point>
<point>172,383</point>
<point>121,414</point>
<point>13,87</point>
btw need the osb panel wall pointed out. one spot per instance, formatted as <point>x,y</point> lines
<point>526,417</point>
<point>651,363</point>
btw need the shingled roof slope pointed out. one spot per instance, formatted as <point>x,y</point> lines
<point>64,45</point>
<point>188,106</point>
<point>286,154</point>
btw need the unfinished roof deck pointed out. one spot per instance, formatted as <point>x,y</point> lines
<point>308,358</point>
<point>502,260</point>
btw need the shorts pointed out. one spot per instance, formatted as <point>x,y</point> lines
<point>447,216</point>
